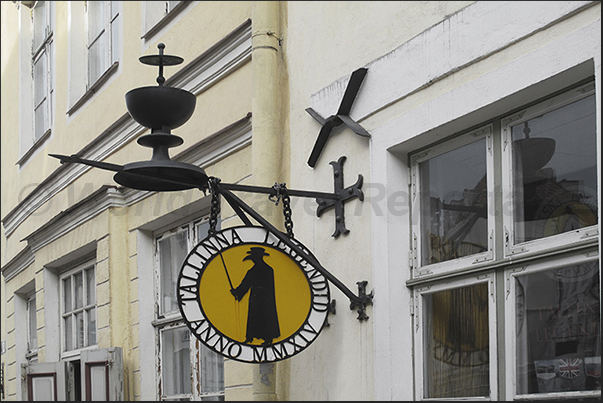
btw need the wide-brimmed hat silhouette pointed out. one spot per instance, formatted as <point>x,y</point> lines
<point>255,252</point>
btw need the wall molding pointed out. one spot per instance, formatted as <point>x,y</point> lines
<point>203,153</point>
<point>224,57</point>
<point>395,75</point>
<point>18,264</point>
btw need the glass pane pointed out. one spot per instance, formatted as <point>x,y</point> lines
<point>454,204</point>
<point>39,71</point>
<point>67,294</point>
<point>68,323</point>
<point>96,59</point>
<point>172,4</point>
<point>33,323</point>
<point>90,287</point>
<point>172,251</point>
<point>212,371</point>
<point>116,39</point>
<point>96,19</point>
<point>91,326</point>
<point>39,24</point>
<point>558,330</point>
<point>457,360</point>
<point>175,361</point>
<point>78,280</point>
<point>41,119</point>
<point>79,331</point>
<point>202,228</point>
<point>555,167</point>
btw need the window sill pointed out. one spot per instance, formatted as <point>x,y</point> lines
<point>31,355</point>
<point>167,320</point>
<point>35,147</point>
<point>165,20</point>
<point>94,88</point>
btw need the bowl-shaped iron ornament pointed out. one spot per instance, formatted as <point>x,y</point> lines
<point>161,175</point>
<point>160,107</point>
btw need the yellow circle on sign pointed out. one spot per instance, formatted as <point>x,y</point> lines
<point>229,316</point>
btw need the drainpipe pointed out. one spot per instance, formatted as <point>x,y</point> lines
<point>266,141</point>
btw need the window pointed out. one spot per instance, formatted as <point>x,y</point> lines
<point>514,203</point>
<point>32,325</point>
<point>78,300</point>
<point>41,51</point>
<point>158,13</point>
<point>459,338</point>
<point>552,173</point>
<point>557,334</point>
<point>181,356</point>
<point>451,196</point>
<point>103,38</point>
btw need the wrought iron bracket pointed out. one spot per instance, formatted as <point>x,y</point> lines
<point>342,117</point>
<point>330,311</point>
<point>364,300</point>
<point>343,196</point>
<point>243,210</point>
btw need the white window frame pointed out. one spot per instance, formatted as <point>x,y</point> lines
<point>111,32</point>
<point>418,269</point>
<point>580,236</point>
<point>419,309</point>
<point>173,319</point>
<point>85,308</point>
<point>31,333</point>
<point>42,53</point>
<point>511,274</point>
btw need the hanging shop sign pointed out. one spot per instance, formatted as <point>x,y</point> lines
<point>248,296</point>
<point>252,293</point>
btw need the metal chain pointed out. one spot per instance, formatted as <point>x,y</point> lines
<point>287,212</point>
<point>214,211</point>
<point>281,193</point>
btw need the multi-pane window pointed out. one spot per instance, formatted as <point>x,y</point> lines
<point>515,203</point>
<point>78,301</point>
<point>41,68</point>
<point>103,37</point>
<point>180,355</point>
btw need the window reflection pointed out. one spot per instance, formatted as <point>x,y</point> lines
<point>454,204</point>
<point>176,361</point>
<point>555,172</point>
<point>559,330</point>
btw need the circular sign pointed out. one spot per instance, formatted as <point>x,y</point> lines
<point>248,296</point>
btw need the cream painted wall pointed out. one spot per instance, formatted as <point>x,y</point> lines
<point>191,35</point>
<point>432,71</point>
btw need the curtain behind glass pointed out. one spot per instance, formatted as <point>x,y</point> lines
<point>173,251</point>
<point>175,361</point>
<point>457,361</point>
<point>212,374</point>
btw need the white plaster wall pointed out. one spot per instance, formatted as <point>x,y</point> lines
<point>478,63</point>
<point>323,43</point>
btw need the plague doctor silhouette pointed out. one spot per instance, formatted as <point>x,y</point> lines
<point>262,318</point>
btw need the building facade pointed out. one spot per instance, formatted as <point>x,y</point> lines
<point>472,128</point>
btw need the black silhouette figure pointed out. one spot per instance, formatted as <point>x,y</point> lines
<point>262,319</point>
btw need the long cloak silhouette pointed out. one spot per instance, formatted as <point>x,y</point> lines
<point>262,319</point>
